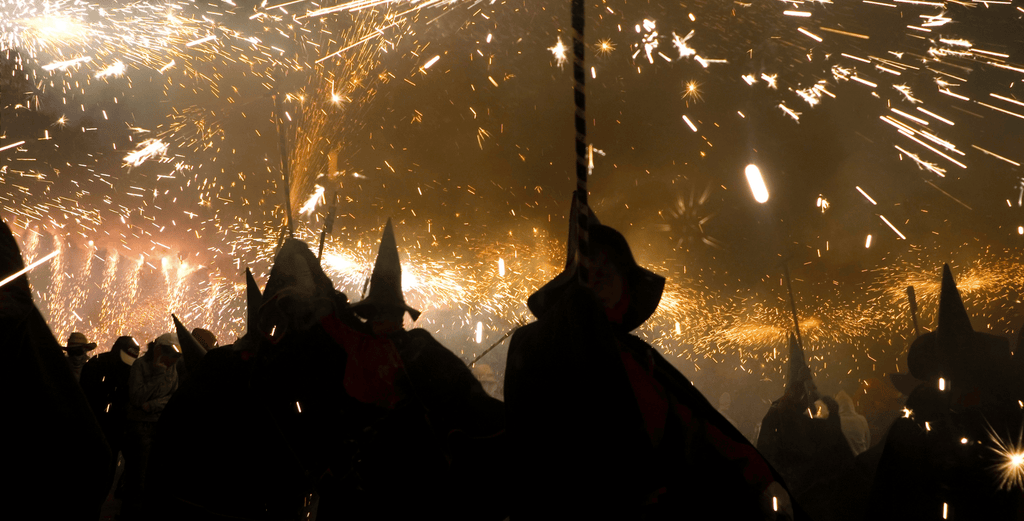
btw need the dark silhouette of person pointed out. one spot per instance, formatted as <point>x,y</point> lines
<point>105,383</point>
<point>601,426</point>
<point>58,458</point>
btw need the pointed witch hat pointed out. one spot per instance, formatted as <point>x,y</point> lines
<point>645,287</point>
<point>954,350</point>
<point>298,293</point>
<point>799,378</point>
<point>191,350</point>
<point>253,301</point>
<point>385,281</point>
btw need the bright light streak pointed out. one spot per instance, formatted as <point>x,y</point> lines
<point>205,39</point>
<point>936,116</point>
<point>809,34</point>
<point>867,243</point>
<point>862,80</point>
<point>689,124</point>
<point>501,267</point>
<point>803,14</point>
<point>316,197</point>
<point>438,57</point>
<point>904,237</point>
<point>942,384</point>
<point>116,69</point>
<point>790,112</point>
<point>29,268</point>
<point>756,182</point>
<point>12,145</point>
<point>479,332</point>
<point>865,194</point>
<point>147,149</point>
<point>1020,230</point>
<point>908,116</point>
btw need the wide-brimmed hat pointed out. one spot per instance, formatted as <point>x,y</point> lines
<point>385,281</point>
<point>78,341</point>
<point>205,337</point>
<point>644,287</point>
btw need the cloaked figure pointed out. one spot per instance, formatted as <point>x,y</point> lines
<point>855,426</point>
<point>105,383</point>
<point>310,411</point>
<point>57,458</point>
<point>802,436</point>
<point>952,455</point>
<point>623,434</point>
<point>259,423</point>
<point>464,425</point>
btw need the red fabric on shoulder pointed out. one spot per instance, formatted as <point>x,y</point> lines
<point>373,364</point>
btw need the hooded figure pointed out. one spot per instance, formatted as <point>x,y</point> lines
<point>77,349</point>
<point>855,426</point>
<point>105,383</point>
<point>56,443</point>
<point>948,450</point>
<point>623,435</point>
<point>802,436</point>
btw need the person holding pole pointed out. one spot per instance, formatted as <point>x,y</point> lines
<point>601,425</point>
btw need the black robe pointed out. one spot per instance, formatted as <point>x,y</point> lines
<point>601,426</point>
<point>59,460</point>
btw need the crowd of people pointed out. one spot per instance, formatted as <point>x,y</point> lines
<point>331,409</point>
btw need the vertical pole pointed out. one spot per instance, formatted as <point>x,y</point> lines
<point>792,305</point>
<point>913,309</point>
<point>283,144</point>
<point>580,120</point>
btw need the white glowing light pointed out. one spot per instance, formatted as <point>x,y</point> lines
<point>479,332</point>
<point>316,197</point>
<point>867,243</point>
<point>28,268</point>
<point>756,182</point>
<point>559,51</point>
<point>12,145</point>
<point>501,267</point>
<point>148,149</point>
<point>438,57</point>
<point>299,407</point>
<point>689,123</point>
<point>942,384</point>
<point>904,237</point>
<point>117,69</point>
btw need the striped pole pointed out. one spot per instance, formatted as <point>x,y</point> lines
<point>579,84</point>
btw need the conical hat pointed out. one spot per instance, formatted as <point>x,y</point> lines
<point>191,349</point>
<point>954,350</point>
<point>298,292</point>
<point>799,378</point>
<point>253,301</point>
<point>385,281</point>
<point>645,287</point>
